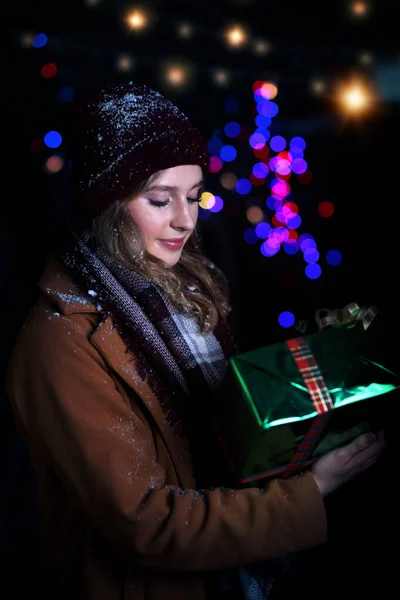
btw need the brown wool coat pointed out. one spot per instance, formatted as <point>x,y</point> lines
<point>121,516</point>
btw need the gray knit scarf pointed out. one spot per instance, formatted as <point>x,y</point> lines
<point>182,362</point>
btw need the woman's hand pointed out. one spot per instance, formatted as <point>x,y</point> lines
<point>342,464</point>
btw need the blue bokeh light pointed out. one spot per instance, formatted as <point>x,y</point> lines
<point>243,186</point>
<point>52,139</point>
<point>286,319</point>
<point>277,143</point>
<point>231,106</point>
<point>232,129</point>
<point>214,145</point>
<point>311,255</point>
<point>250,236</point>
<point>65,94</point>
<point>297,142</point>
<point>333,257</point>
<point>313,271</point>
<point>228,153</point>
<point>263,121</point>
<point>39,40</point>
<point>218,206</point>
<point>291,247</point>
<point>262,230</point>
<point>267,108</point>
<point>260,170</point>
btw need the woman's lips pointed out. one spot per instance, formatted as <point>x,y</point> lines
<point>173,244</point>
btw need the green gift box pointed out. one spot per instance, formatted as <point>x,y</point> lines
<point>269,422</point>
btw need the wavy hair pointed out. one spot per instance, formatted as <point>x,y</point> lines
<point>195,285</point>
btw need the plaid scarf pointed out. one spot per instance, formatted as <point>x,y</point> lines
<point>179,362</point>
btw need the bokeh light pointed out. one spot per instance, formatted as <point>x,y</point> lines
<point>125,63</point>
<point>207,200</point>
<point>218,204</point>
<point>228,180</point>
<point>286,319</point>
<point>262,230</point>
<point>48,70</point>
<point>216,164</point>
<point>254,214</point>
<point>326,209</point>
<point>243,186</point>
<point>236,36</point>
<point>313,271</point>
<point>232,129</point>
<point>177,75</point>
<point>65,94</point>
<point>137,19</point>
<point>228,153</point>
<point>53,139</point>
<point>54,164</point>
<point>277,143</point>
<point>333,257</point>
<point>249,236</point>
<point>39,40</point>
<point>231,106</point>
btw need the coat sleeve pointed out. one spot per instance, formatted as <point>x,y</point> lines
<point>105,455</point>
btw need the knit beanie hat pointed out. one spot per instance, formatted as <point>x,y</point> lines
<point>121,135</point>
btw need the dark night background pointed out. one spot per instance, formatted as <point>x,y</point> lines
<point>310,48</point>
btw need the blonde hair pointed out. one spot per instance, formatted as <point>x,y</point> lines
<point>195,285</point>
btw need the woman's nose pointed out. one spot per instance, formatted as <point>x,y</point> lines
<point>185,216</point>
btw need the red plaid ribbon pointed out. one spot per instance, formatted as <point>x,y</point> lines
<point>320,397</point>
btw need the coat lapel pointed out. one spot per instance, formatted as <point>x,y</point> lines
<point>58,285</point>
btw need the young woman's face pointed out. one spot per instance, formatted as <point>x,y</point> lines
<point>166,212</point>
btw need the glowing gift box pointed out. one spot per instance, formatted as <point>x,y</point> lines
<point>286,404</point>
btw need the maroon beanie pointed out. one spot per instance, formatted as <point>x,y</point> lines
<point>122,135</point>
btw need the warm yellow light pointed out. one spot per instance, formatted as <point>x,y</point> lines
<point>366,58</point>
<point>125,62</point>
<point>26,39</point>
<point>236,36</point>
<point>221,77</point>
<point>269,91</point>
<point>176,75</point>
<point>137,19</point>
<point>207,200</point>
<point>359,8</point>
<point>355,98</point>
<point>185,30</point>
<point>261,47</point>
<point>318,86</point>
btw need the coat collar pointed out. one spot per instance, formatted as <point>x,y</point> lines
<point>59,286</point>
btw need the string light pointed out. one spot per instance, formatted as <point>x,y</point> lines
<point>365,58</point>
<point>236,36</point>
<point>125,62</point>
<point>318,86</point>
<point>137,19</point>
<point>26,40</point>
<point>355,98</point>
<point>185,30</point>
<point>360,9</point>
<point>261,47</point>
<point>221,76</point>
<point>176,75</point>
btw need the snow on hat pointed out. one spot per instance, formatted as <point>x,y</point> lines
<point>122,135</point>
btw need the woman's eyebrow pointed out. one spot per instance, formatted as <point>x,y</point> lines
<point>168,188</point>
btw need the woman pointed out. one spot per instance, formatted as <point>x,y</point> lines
<point>114,375</point>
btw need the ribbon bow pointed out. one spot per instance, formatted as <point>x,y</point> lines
<point>348,315</point>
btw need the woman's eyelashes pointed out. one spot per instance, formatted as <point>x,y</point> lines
<point>163,203</point>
